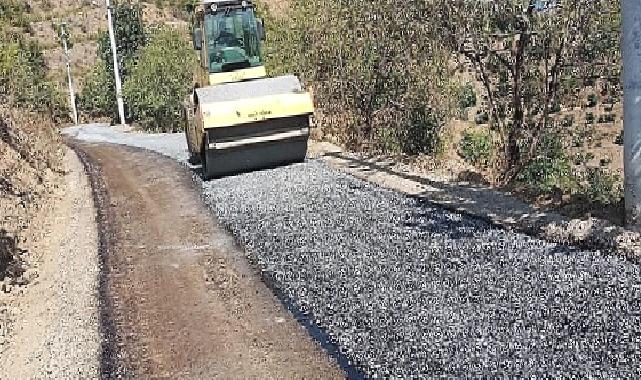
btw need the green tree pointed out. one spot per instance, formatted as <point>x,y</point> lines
<point>160,80</point>
<point>129,33</point>
<point>23,73</point>
<point>97,98</point>
<point>524,55</point>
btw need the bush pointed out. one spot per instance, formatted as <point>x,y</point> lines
<point>159,81</point>
<point>367,67</point>
<point>607,118</point>
<point>98,95</point>
<point>589,118</point>
<point>481,118</point>
<point>23,81</point>
<point>421,133</point>
<point>619,139</point>
<point>567,122</point>
<point>467,96</point>
<point>601,186</point>
<point>551,169</point>
<point>476,147</point>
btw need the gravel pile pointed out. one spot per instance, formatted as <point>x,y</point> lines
<point>406,288</point>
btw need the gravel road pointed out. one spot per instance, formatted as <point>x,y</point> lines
<point>406,288</point>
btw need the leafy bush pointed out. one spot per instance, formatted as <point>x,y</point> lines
<point>551,169</point>
<point>589,118</point>
<point>481,118</point>
<point>606,118</point>
<point>366,66</point>
<point>160,80</point>
<point>98,96</point>
<point>421,133</point>
<point>601,186</point>
<point>476,147</point>
<point>467,96</point>
<point>619,139</point>
<point>23,81</point>
<point>568,121</point>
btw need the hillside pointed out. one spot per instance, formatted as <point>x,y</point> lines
<point>85,20</point>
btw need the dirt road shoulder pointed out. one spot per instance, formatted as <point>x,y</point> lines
<point>54,333</point>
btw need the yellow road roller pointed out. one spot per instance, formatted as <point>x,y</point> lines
<point>237,118</point>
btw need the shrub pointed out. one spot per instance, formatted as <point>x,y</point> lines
<point>160,80</point>
<point>567,122</point>
<point>476,147</point>
<point>481,118</point>
<point>601,186</point>
<point>589,118</point>
<point>551,168</point>
<point>619,139</point>
<point>367,67</point>
<point>606,118</point>
<point>420,134</point>
<point>23,81</point>
<point>98,96</point>
<point>467,96</point>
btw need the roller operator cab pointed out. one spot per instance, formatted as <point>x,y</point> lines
<point>238,119</point>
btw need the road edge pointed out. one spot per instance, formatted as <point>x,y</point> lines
<point>109,352</point>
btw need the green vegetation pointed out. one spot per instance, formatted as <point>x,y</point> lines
<point>23,80</point>
<point>159,81</point>
<point>467,96</point>
<point>600,186</point>
<point>156,71</point>
<point>373,84</point>
<point>551,168</point>
<point>523,56</point>
<point>476,147</point>
<point>98,98</point>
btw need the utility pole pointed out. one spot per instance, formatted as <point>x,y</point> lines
<point>112,38</point>
<point>72,94</point>
<point>631,45</point>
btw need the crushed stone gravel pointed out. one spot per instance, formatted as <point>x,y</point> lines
<point>56,331</point>
<point>408,289</point>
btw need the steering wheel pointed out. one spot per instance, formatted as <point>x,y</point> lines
<point>226,40</point>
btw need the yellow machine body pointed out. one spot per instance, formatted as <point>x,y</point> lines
<point>238,119</point>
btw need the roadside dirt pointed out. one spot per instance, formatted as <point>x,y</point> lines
<point>52,330</point>
<point>184,302</point>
